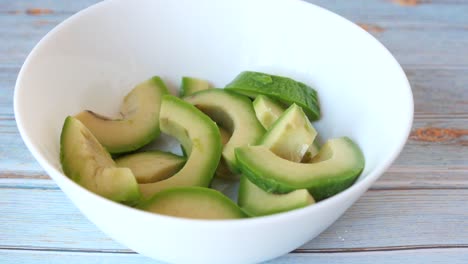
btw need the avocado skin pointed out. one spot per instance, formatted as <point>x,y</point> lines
<point>280,88</point>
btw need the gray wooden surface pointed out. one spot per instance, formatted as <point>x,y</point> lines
<point>416,213</point>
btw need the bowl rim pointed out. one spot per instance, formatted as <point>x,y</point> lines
<point>359,186</point>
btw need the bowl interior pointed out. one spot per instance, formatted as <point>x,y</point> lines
<point>93,59</point>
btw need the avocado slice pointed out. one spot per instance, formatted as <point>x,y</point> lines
<point>192,202</point>
<point>267,110</point>
<point>291,135</point>
<point>335,168</point>
<point>139,121</point>
<point>311,152</point>
<point>223,170</point>
<point>192,85</point>
<point>151,166</point>
<point>281,88</point>
<point>200,138</point>
<point>234,113</point>
<point>85,161</point>
<point>257,202</point>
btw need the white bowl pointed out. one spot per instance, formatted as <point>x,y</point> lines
<point>93,58</point>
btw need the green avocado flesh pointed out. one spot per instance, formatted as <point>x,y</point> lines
<point>335,168</point>
<point>223,170</point>
<point>291,135</point>
<point>311,152</point>
<point>279,88</point>
<point>85,161</point>
<point>192,202</point>
<point>151,166</point>
<point>257,202</point>
<point>234,113</point>
<point>267,110</point>
<point>192,85</point>
<point>139,121</point>
<point>200,138</point>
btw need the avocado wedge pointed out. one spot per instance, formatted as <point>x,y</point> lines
<point>267,110</point>
<point>139,121</point>
<point>223,171</point>
<point>192,202</point>
<point>199,137</point>
<point>192,85</point>
<point>290,135</point>
<point>335,168</point>
<point>151,166</point>
<point>257,202</point>
<point>85,161</point>
<point>280,88</point>
<point>234,113</point>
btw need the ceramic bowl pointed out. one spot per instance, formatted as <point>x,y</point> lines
<point>91,60</point>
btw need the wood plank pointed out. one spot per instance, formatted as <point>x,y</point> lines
<point>57,7</point>
<point>435,256</point>
<point>381,218</point>
<point>437,92</point>
<point>435,156</point>
<point>443,12</point>
<point>447,21</point>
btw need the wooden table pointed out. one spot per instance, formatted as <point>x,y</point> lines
<point>416,213</point>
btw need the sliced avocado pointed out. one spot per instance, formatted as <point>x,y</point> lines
<point>335,168</point>
<point>267,110</point>
<point>200,138</point>
<point>223,170</point>
<point>283,89</point>
<point>257,202</point>
<point>234,113</point>
<point>192,85</point>
<point>139,122</point>
<point>85,161</point>
<point>151,166</point>
<point>311,152</point>
<point>192,202</point>
<point>291,135</point>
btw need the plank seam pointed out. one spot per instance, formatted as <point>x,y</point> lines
<point>381,249</point>
<point>297,251</point>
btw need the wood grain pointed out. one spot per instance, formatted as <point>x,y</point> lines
<point>447,21</point>
<point>434,256</point>
<point>422,164</point>
<point>381,218</point>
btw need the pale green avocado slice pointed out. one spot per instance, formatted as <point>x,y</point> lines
<point>151,166</point>
<point>223,171</point>
<point>335,168</point>
<point>291,135</point>
<point>257,202</point>
<point>193,202</point>
<point>85,161</point>
<point>192,85</point>
<point>280,88</point>
<point>311,152</point>
<point>234,113</point>
<point>200,138</point>
<point>139,121</point>
<point>267,110</point>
